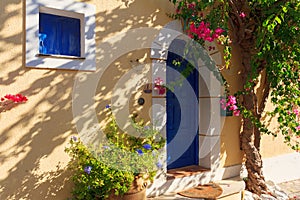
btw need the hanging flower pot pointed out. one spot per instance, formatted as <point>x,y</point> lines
<point>159,87</point>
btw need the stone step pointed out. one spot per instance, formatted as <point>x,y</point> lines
<point>232,188</point>
<point>178,180</point>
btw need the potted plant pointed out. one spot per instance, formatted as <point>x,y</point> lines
<point>120,167</point>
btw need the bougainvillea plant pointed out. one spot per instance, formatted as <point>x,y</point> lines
<point>266,33</point>
<point>11,100</point>
<point>231,104</point>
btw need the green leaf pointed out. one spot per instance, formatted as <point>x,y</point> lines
<point>284,9</point>
<point>278,19</point>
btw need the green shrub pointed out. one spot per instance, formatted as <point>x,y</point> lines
<point>113,165</point>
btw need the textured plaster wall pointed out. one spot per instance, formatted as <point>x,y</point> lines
<point>230,145</point>
<point>273,146</point>
<point>33,135</point>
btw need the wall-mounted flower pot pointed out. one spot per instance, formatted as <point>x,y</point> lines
<point>226,113</point>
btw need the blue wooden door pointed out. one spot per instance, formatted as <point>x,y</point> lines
<point>182,112</point>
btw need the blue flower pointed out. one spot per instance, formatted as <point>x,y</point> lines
<point>106,147</point>
<point>159,165</point>
<point>140,152</point>
<point>107,106</point>
<point>74,138</point>
<point>147,146</point>
<point>88,169</point>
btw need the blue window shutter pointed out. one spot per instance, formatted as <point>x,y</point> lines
<point>59,35</point>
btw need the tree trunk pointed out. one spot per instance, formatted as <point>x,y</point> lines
<point>243,30</point>
<point>256,181</point>
<point>250,136</point>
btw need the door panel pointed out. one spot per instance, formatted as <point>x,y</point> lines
<point>182,113</point>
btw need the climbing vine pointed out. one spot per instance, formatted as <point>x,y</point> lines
<point>268,37</point>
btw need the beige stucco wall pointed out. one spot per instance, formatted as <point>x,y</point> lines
<point>33,135</point>
<point>273,146</point>
<point>230,145</point>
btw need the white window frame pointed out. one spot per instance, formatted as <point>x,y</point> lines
<point>68,8</point>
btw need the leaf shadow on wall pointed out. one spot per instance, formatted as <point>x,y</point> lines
<point>33,135</point>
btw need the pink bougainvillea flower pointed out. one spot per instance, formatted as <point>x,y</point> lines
<point>233,107</point>
<point>209,39</point>
<point>223,107</point>
<point>298,128</point>
<point>242,15</point>
<point>158,81</point>
<point>193,28</point>
<point>296,112</point>
<point>231,100</point>
<point>219,31</point>
<point>192,5</point>
<point>215,35</point>
<point>223,104</point>
<point>236,112</point>
<point>204,32</point>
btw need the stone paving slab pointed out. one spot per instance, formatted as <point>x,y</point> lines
<point>292,188</point>
<point>172,197</point>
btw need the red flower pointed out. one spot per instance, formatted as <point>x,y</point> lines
<point>242,15</point>
<point>192,5</point>
<point>18,98</point>
<point>204,32</point>
<point>219,31</point>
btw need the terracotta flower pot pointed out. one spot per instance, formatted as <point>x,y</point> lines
<point>137,191</point>
<point>130,195</point>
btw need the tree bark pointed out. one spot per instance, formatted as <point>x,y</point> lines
<point>256,180</point>
<point>250,135</point>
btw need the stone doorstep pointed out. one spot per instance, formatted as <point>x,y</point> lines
<point>235,196</point>
<point>231,187</point>
<point>185,172</point>
<point>178,180</point>
<point>184,178</point>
